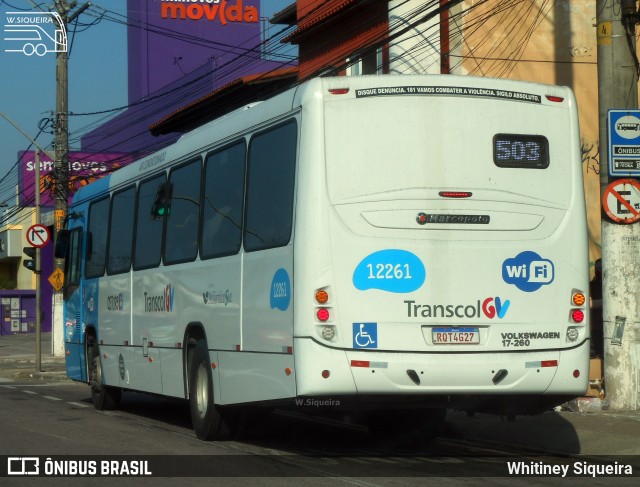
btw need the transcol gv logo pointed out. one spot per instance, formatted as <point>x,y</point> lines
<point>491,307</point>
<point>528,271</point>
<point>162,303</point>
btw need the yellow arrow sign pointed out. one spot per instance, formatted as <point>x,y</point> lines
<point>57,279</point>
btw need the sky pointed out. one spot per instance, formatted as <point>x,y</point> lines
<point>97,79</point>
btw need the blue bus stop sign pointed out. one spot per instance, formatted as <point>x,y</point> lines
<point>624,142</point>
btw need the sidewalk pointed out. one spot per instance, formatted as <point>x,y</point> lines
<point>18,358</point>
<point>606,433</point>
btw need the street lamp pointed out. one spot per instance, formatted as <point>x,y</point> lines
<point>37,253</point>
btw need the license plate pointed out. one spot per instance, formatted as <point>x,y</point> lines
<point>455,336</point>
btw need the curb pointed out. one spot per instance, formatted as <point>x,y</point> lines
<point>49,375</point>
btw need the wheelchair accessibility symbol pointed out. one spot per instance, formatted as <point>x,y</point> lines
<point>365,335</point>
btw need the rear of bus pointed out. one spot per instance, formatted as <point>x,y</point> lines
<point>440,243</point>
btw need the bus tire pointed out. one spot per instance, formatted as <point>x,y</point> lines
<point>207,418</point>
<point>104,397</point>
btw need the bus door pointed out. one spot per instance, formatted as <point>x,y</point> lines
<point>74,318</point>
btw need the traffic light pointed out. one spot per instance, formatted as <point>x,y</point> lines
<point>162,204</point>
<point>29,263</point>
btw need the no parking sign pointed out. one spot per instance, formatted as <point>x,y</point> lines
<point>621,201</point>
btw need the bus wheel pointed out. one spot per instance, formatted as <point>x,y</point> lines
<point>207,418</point>
<point>104,397</point>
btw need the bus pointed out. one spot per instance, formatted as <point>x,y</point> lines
<point>386,247</point>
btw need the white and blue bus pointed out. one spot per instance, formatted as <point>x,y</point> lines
<point>390,246</point>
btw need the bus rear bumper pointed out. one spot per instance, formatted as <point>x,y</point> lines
<point>326,371</point>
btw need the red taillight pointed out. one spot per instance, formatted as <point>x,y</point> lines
<point>339,91</point>
<point>576,373</point>
<point>556,99</point>
<point>549,363</point>
<point>322,314</point>
<point>325,374</point>
<point>455,194</point>
<point>577,315</point>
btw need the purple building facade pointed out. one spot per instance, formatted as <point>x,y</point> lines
<point>179,52</point>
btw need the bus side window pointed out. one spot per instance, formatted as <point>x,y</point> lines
<point>72,265</point>
<point>121,231</point>
<point>223,201</point>
<point>183,220</point>
<point>148,234</point>
<point>96,252</point>
<point>270,188</point>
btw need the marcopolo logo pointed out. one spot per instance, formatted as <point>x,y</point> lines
<point>220,10</point>
<point>528,271</point>
<point>34,33</point>
<point>160,304</point>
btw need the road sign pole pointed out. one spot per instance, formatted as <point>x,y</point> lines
<point>38,269</point>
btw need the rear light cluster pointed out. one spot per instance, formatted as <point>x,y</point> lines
<point>577,314</point>
<point>324,319</point>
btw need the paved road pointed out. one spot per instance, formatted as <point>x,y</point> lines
<point>45,414</point>
<point>56,419</point>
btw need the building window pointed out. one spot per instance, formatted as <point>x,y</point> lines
<point>369,63</point>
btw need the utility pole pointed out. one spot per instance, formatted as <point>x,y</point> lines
<point>618,89</point>
<point>61,164</point>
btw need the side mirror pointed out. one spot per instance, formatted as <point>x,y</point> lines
<point>62,244</point>
<point>89,245</point>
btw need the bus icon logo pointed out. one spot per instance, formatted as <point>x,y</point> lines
<point>528,271</point>
<point>23,466</point>
<point>628,127</point>
<point>35,33</point>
